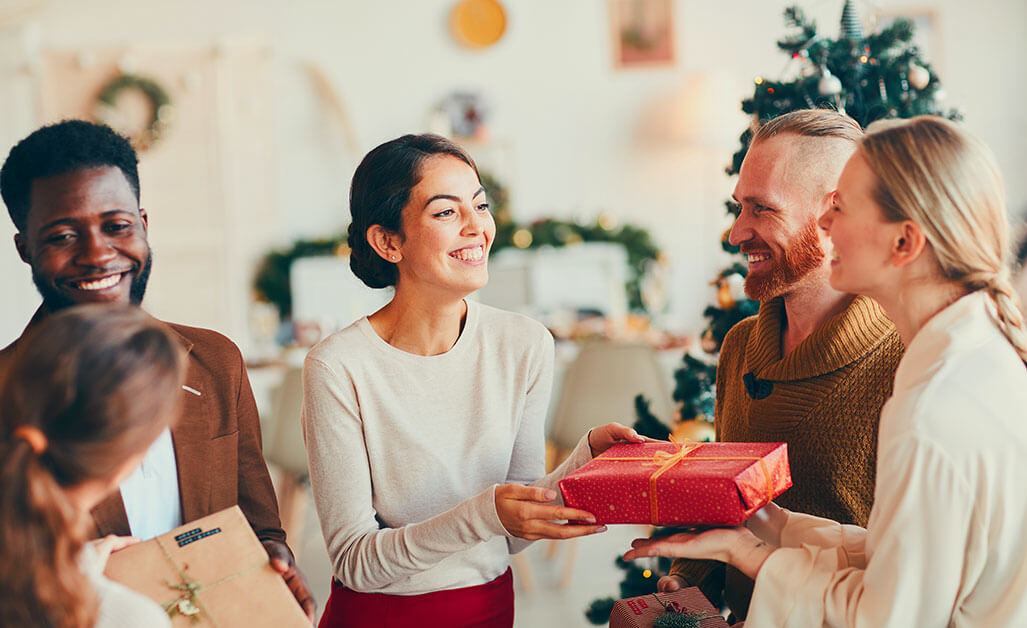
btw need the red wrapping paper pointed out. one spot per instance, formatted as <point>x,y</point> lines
<point>711,483</point>
<point>642,611</point>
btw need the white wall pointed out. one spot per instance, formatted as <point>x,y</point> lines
<point>579,136</point>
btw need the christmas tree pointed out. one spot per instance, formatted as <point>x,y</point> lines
<point>881,75</point>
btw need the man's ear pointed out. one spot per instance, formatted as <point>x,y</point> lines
<point>908,243</point>
<point>22,247</point>
<point>145,218</point>
<point>385,243</point>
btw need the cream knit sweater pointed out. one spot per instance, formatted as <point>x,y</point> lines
<point>405,450</point>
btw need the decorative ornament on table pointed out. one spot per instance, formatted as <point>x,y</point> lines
<point>136,106</point>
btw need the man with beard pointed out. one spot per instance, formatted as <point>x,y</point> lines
<point>72,190</point>
<point>814,366</point>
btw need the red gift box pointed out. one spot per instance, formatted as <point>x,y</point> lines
<point>642,611</point>
<point>665,483</point>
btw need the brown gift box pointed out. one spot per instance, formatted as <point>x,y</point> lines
<point>642,611</point>
<point>212,572</point>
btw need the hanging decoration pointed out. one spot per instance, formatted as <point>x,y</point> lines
<point>478,23</point>
<point>109,111</point>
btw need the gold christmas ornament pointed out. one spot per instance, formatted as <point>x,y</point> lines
<point>696,430</point>
<point>522,238</point>
<point>724,298</point>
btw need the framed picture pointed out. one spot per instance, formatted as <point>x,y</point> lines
<point>926,29</point>
<point>643,33</point>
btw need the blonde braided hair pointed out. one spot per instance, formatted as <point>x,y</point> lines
<point>931,171</point>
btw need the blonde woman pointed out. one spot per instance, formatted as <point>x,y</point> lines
<point>919,225</point>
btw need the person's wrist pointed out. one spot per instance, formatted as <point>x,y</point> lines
<point>749,555</point>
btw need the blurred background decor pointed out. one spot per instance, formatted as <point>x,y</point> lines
<point>643,32</point>
<point>118,106</point>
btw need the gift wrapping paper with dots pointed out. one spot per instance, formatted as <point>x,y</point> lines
<point>664,483</point>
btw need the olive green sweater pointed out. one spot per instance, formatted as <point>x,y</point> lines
<point>823,399</point>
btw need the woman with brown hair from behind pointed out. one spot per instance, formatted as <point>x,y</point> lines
<point>84,399</point>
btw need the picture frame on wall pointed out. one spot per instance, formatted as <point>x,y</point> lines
<point>643,33</point>
<point>927,29</point>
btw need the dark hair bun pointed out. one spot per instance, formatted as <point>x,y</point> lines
<point>379,192</point>
<point>366,264</point>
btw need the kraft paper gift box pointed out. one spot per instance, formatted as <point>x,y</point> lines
<point>212,572</point>
<point>665,483</point>
<point>645,611</point>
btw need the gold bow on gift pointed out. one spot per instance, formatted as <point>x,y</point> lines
<point>667,461</point>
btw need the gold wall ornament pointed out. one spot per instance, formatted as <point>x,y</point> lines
<point>478,23</point>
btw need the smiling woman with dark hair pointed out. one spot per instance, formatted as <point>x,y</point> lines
<point>424,421</point>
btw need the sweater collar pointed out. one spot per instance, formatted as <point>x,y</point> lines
<point>841,340</point>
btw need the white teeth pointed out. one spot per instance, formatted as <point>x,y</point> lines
<point>757,258</point>
<point>470,255</point>
<point>100,284</point>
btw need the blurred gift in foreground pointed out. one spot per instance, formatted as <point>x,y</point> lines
<point>208,573</point>
<point>684,607</point>
<point>666,483</point>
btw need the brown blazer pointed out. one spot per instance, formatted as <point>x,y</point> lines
<point>217,439</point>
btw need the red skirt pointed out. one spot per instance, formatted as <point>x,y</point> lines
<point>489,605</point>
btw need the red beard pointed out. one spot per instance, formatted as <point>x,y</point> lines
<point>802,256</point>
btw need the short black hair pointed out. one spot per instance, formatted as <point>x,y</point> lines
<point>379,192</point>
<point>58,149</point>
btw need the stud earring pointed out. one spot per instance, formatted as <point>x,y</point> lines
<point>393,257</point>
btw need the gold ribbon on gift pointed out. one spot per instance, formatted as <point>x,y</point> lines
<point>668,461</point>
<point>188,603</point>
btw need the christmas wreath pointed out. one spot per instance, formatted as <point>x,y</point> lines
<point>160,106</point>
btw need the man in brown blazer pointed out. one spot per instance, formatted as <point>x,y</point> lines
<point>72,190</point>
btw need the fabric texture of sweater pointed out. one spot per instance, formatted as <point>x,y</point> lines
<point>406,450</point>
<point>823,400</point>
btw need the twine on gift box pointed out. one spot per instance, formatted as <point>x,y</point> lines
<point>668,460</point>
<point>188,603</point>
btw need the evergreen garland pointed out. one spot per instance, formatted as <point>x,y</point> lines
<point>686,619</point>
<point>271,283</point>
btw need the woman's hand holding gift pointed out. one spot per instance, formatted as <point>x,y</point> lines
<point>605,436</point>
<point>528,512</point>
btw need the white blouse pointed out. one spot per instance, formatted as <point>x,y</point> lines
<point>946,543</point>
